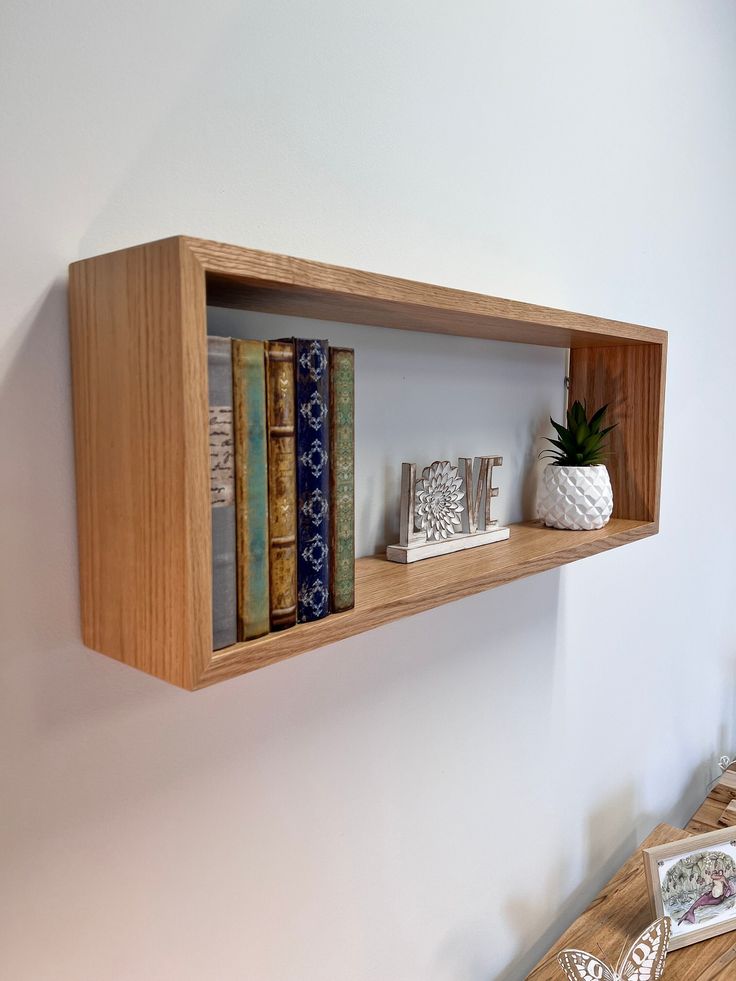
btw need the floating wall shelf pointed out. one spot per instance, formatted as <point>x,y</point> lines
<point>139,361</point>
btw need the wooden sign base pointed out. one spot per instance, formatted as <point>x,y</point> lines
<point>426,550</point>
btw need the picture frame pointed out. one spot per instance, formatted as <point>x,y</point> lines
<point>693,881</point>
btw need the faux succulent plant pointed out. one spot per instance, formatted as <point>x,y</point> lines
<point>582,442</point>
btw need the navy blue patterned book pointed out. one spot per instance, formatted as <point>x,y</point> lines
<point>312,371</point>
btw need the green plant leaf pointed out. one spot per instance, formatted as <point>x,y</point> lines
<point>567,441</point>
<point>556,442</point>
<point>597,417</point>
<point>561,431</point>
<point>581,442</point>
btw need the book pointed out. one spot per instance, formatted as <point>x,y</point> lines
<point>222,492</point>
<point>251,487</point>
<point>311,368</point>
<point>281,482</point>
<point>342,479</point>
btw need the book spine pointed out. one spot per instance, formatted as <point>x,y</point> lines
<point>281,483</point>
<point>342,479</point>
<point>222,492</point>
<point>312,478</point>
<point>251,487</point>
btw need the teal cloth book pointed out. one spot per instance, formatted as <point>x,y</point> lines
<point>251,487</point>
<point>222,492</point>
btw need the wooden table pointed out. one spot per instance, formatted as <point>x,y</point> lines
<point>621,910</point>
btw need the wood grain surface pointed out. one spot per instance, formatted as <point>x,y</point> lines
<point>616,916</point>
<point>138,345</point>
<point>630,379</point>
<point>387,591</point>
<point>709,815</point>
<point>139,370</point>
<point>253,280</point>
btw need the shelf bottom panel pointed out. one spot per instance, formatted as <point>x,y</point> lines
<point>387,591</point>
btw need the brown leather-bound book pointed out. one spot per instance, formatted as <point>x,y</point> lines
<point>281,482</point>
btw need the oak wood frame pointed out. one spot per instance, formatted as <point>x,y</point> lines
<point>138,344</point>
<point>679,849</point>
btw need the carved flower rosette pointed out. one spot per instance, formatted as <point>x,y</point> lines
<point>439,498</point>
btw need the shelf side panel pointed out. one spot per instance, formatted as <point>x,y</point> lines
<point>140,443</point>
<point>630,379</point>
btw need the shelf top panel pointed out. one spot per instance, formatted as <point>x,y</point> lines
<point>271,283</point>
<point>248,279</point>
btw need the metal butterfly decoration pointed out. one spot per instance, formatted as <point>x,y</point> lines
<point>643,962</point>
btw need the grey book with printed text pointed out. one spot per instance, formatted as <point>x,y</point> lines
<point>222,492</point>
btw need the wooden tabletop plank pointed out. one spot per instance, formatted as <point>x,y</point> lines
<point>617,914</point>
<point>621,911</point>
<point>708,815</point>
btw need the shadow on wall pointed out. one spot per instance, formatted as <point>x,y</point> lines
<point>56,687</point>
<point>48,679</point>
<point>532,467</point>
<point>39,579</point>
<point>53,688</point>
<point>606,852</point>
<point>38,588</point>
<point>604,859</point>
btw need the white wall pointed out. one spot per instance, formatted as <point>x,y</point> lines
<point>423,397</point>
<point>435,800</point>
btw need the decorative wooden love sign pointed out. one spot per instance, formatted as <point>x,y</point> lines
<point>449,509</point>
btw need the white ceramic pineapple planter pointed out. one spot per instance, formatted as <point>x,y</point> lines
<point>577,498</point>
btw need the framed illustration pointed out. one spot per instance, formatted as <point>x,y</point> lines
<point>693,881</point>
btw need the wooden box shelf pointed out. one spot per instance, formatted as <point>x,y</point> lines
<point>138,333</point>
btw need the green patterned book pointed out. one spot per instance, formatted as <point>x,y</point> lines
<point>342,479</point>
<point>251,487</point>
